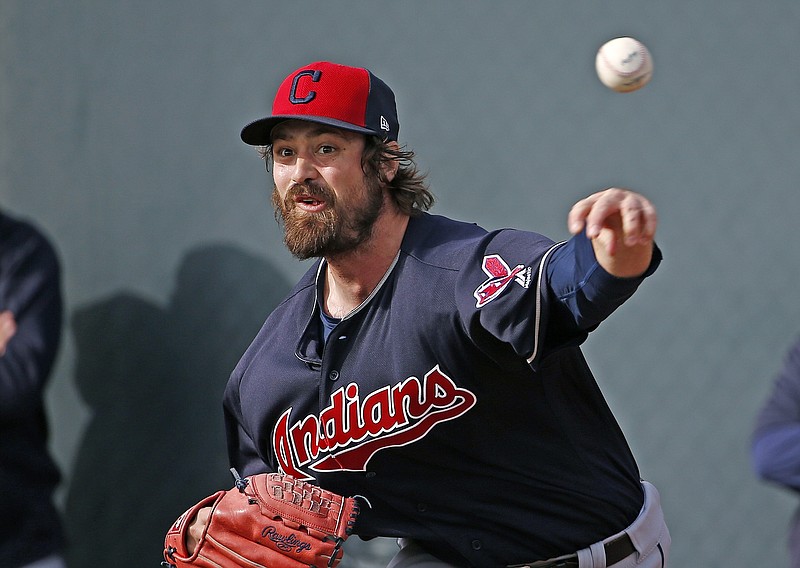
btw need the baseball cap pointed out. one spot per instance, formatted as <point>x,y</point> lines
<point>351,98</point>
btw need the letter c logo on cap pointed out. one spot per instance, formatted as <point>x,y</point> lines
<point>293,98</point>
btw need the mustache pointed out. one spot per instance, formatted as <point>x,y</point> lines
<point>311,190</point>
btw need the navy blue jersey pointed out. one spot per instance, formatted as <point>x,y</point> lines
<point>454,401</point>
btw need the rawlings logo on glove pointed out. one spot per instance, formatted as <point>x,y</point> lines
<point>286,543</point>
<point>269,520</point>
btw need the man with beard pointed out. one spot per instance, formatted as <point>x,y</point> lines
<point>431,368</point>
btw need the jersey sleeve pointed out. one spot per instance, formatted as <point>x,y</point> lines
<point>776,441</point>
<point>499,293</point>
<point>30,288</point>
<point>582,293</point>
<point>522,290</point>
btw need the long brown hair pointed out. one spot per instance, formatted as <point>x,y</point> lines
<point>408,188</point>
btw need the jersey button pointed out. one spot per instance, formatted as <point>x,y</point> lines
<point>476,545</point>
<point>422,507</point>
<point>333,375</point>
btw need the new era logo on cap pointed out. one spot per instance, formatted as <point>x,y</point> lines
<point>351,98</point>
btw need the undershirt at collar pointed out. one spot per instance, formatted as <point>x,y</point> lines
<point>328,323</point>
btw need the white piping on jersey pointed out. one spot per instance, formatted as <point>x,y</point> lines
<point>538,317</point>
<point>378,286</point>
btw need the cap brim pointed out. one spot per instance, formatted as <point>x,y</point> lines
<point>259,132</point>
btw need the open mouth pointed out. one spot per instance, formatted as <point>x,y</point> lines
<point>309,203</point>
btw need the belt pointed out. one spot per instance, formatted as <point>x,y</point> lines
<point>616,550</point>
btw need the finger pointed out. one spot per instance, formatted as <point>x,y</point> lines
<point>576,219</point>
<point>605,205</point>
<point>639,220</point>
<point>197,527</point>
<point>650,221</point>
<point>632,222</point>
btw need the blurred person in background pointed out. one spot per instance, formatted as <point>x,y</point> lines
<point>776,439</point>
<point>30,330</point>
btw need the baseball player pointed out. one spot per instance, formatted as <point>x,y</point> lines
<point>427,368</point>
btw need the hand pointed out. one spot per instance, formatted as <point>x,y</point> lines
<point>267,519</point>
<point>8,327</point>
<point>196,528</point>
<point>621,225</point>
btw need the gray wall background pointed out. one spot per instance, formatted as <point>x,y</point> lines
<point>119,130</point>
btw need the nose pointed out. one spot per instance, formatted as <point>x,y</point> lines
<point>304,170</point>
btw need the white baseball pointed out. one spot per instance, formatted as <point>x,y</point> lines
<point>624,64</point>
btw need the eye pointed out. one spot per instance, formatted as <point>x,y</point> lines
<point>282,152</point>
<point>326,149</point>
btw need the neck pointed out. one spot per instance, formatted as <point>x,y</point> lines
<point>351,277</point>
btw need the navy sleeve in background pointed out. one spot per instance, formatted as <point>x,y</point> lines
<point>776,439</point>
<point>30,289</point>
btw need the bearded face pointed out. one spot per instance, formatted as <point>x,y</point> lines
<point>343,224</point>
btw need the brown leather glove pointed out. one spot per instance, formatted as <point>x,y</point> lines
<point>270,520</point>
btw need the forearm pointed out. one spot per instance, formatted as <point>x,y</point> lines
<point>23,372</point>
<point>33,296</point>
<point>585,288</point>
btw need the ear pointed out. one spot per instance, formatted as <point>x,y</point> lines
<point>390,167</point>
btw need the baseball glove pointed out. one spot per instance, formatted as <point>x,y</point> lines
<point>267,520</point>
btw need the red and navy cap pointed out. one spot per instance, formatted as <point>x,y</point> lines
<point>350,98</point>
